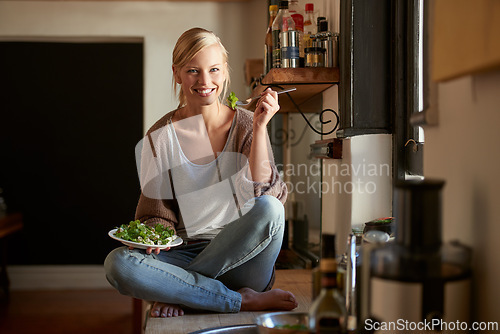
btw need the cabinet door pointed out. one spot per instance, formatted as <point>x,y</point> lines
<point>365,73</point>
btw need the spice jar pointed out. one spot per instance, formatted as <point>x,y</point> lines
<point>314,57</point>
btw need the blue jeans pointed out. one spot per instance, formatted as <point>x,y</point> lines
<point>206,275</point>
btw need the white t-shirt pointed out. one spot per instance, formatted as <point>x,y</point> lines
<point>209,195</point>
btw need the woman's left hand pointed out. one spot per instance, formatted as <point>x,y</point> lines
<point>265,109</point>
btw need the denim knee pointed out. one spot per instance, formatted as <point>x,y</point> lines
<point>272,207</point>
<point>270,210</point>
<point>114,266</point>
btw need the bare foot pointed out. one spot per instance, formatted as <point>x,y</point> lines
<point>275,299</point>
<point>166,310</point>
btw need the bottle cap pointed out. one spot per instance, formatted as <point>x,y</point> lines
<point>309,7</point>
<point>328,246</point>
<point>283,4</point>
<point>323,26</point>
<point>273,8</point>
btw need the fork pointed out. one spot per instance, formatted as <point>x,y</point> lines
<point>248,101</point>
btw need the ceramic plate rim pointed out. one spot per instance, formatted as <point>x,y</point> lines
<point>176,242</point>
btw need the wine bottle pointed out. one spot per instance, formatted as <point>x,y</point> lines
<point>268,46</point>
<point>327,252</point>
<point>328,313</point>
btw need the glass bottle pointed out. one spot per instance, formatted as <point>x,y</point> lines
<point>282,23</point>
<point>298,19</point>
<point>268,46</point>
<point>309,25</point>
<point>327,313</point>
<point>417,277</point>
<point>327,252</point>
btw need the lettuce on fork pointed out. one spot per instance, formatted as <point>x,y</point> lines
<point>232,99</point>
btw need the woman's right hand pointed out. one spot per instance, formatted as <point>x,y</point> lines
<point>267,106</point>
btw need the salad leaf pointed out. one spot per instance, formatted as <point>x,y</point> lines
<point>138,232</point>
<point>231,99</point>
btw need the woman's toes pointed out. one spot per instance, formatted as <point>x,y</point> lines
<point>166,312</point>
<point>155,310</point>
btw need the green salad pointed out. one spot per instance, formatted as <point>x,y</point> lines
<point>138,232</point>
<point>231,100</point>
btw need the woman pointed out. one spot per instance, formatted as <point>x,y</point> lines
<point>212,156</point>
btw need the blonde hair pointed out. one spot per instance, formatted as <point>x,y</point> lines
<point>187,47</point>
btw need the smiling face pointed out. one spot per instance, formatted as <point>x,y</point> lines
<point>202,79</point>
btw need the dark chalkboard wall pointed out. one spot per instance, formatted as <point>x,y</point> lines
<point>70,117</point>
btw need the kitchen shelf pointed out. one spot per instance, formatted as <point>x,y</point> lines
<point>310,83</point>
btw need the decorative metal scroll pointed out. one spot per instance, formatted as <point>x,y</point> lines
<point>323,122</point>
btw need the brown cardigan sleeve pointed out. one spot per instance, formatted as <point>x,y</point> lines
<point>152,211</point>
<point>276,187</point>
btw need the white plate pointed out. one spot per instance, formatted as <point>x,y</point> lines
<point>175,242</point>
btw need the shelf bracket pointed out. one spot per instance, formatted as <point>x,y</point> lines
<point>322,121</point>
